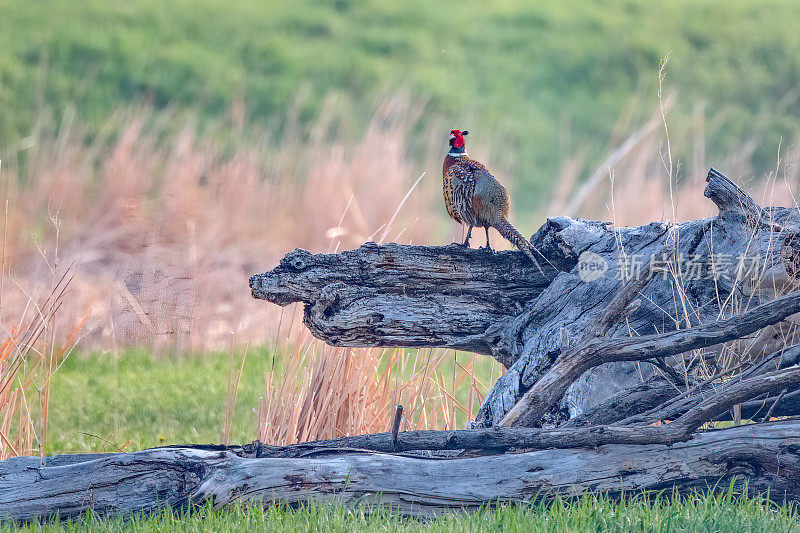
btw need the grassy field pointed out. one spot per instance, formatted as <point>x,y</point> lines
<point>537,81</point>
<point>700,512</point>
<point>134,400</point>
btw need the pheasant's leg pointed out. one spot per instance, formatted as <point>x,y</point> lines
<point>469,234</point>
<point>488,246</point>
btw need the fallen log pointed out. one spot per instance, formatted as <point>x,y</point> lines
<point>766,456</point>
<point>392,295</point>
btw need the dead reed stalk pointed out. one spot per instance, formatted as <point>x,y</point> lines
<point>28,360</point>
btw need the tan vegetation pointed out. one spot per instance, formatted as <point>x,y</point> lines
<point>326,392</point>
<point>29,356</point>
<point>163,229</point>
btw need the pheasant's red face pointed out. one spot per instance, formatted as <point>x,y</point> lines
<point>457,138</point>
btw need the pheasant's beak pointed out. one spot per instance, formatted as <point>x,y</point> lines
<point>452,136</point>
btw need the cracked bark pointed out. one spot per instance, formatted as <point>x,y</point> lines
<point>767,456</point>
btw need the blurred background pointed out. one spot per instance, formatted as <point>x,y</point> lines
<point>156,154</point>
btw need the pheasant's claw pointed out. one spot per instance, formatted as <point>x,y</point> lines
<point>469,235</point>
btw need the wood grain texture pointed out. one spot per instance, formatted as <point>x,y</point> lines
<point>766,455</point>
<point>574,362</point>
<point>392,295</point>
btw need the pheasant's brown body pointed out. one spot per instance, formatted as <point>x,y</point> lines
<point>471,194</point>
<point>474,197</point>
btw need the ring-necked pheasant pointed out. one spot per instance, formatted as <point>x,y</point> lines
<point>474,197</point>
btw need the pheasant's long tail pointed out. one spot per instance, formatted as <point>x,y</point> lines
<point>515,237</point>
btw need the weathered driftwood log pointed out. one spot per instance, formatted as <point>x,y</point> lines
<point>709,281</point>
<point>766,455</point>
<point>499,304</point>
<point>568,336</point>
<point>392,295</point>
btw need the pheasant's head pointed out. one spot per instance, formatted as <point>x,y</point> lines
<point>457,139</point>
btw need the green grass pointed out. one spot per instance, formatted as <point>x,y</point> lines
<point>538,79</point>
<point>99,402</point>
<point>700,512</point>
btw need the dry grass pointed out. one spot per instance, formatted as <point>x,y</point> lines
<point>28,359</point>
<point>636,190</point>
<point>163,225</point>
<point>164,229</point>
<point>325,392</point>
